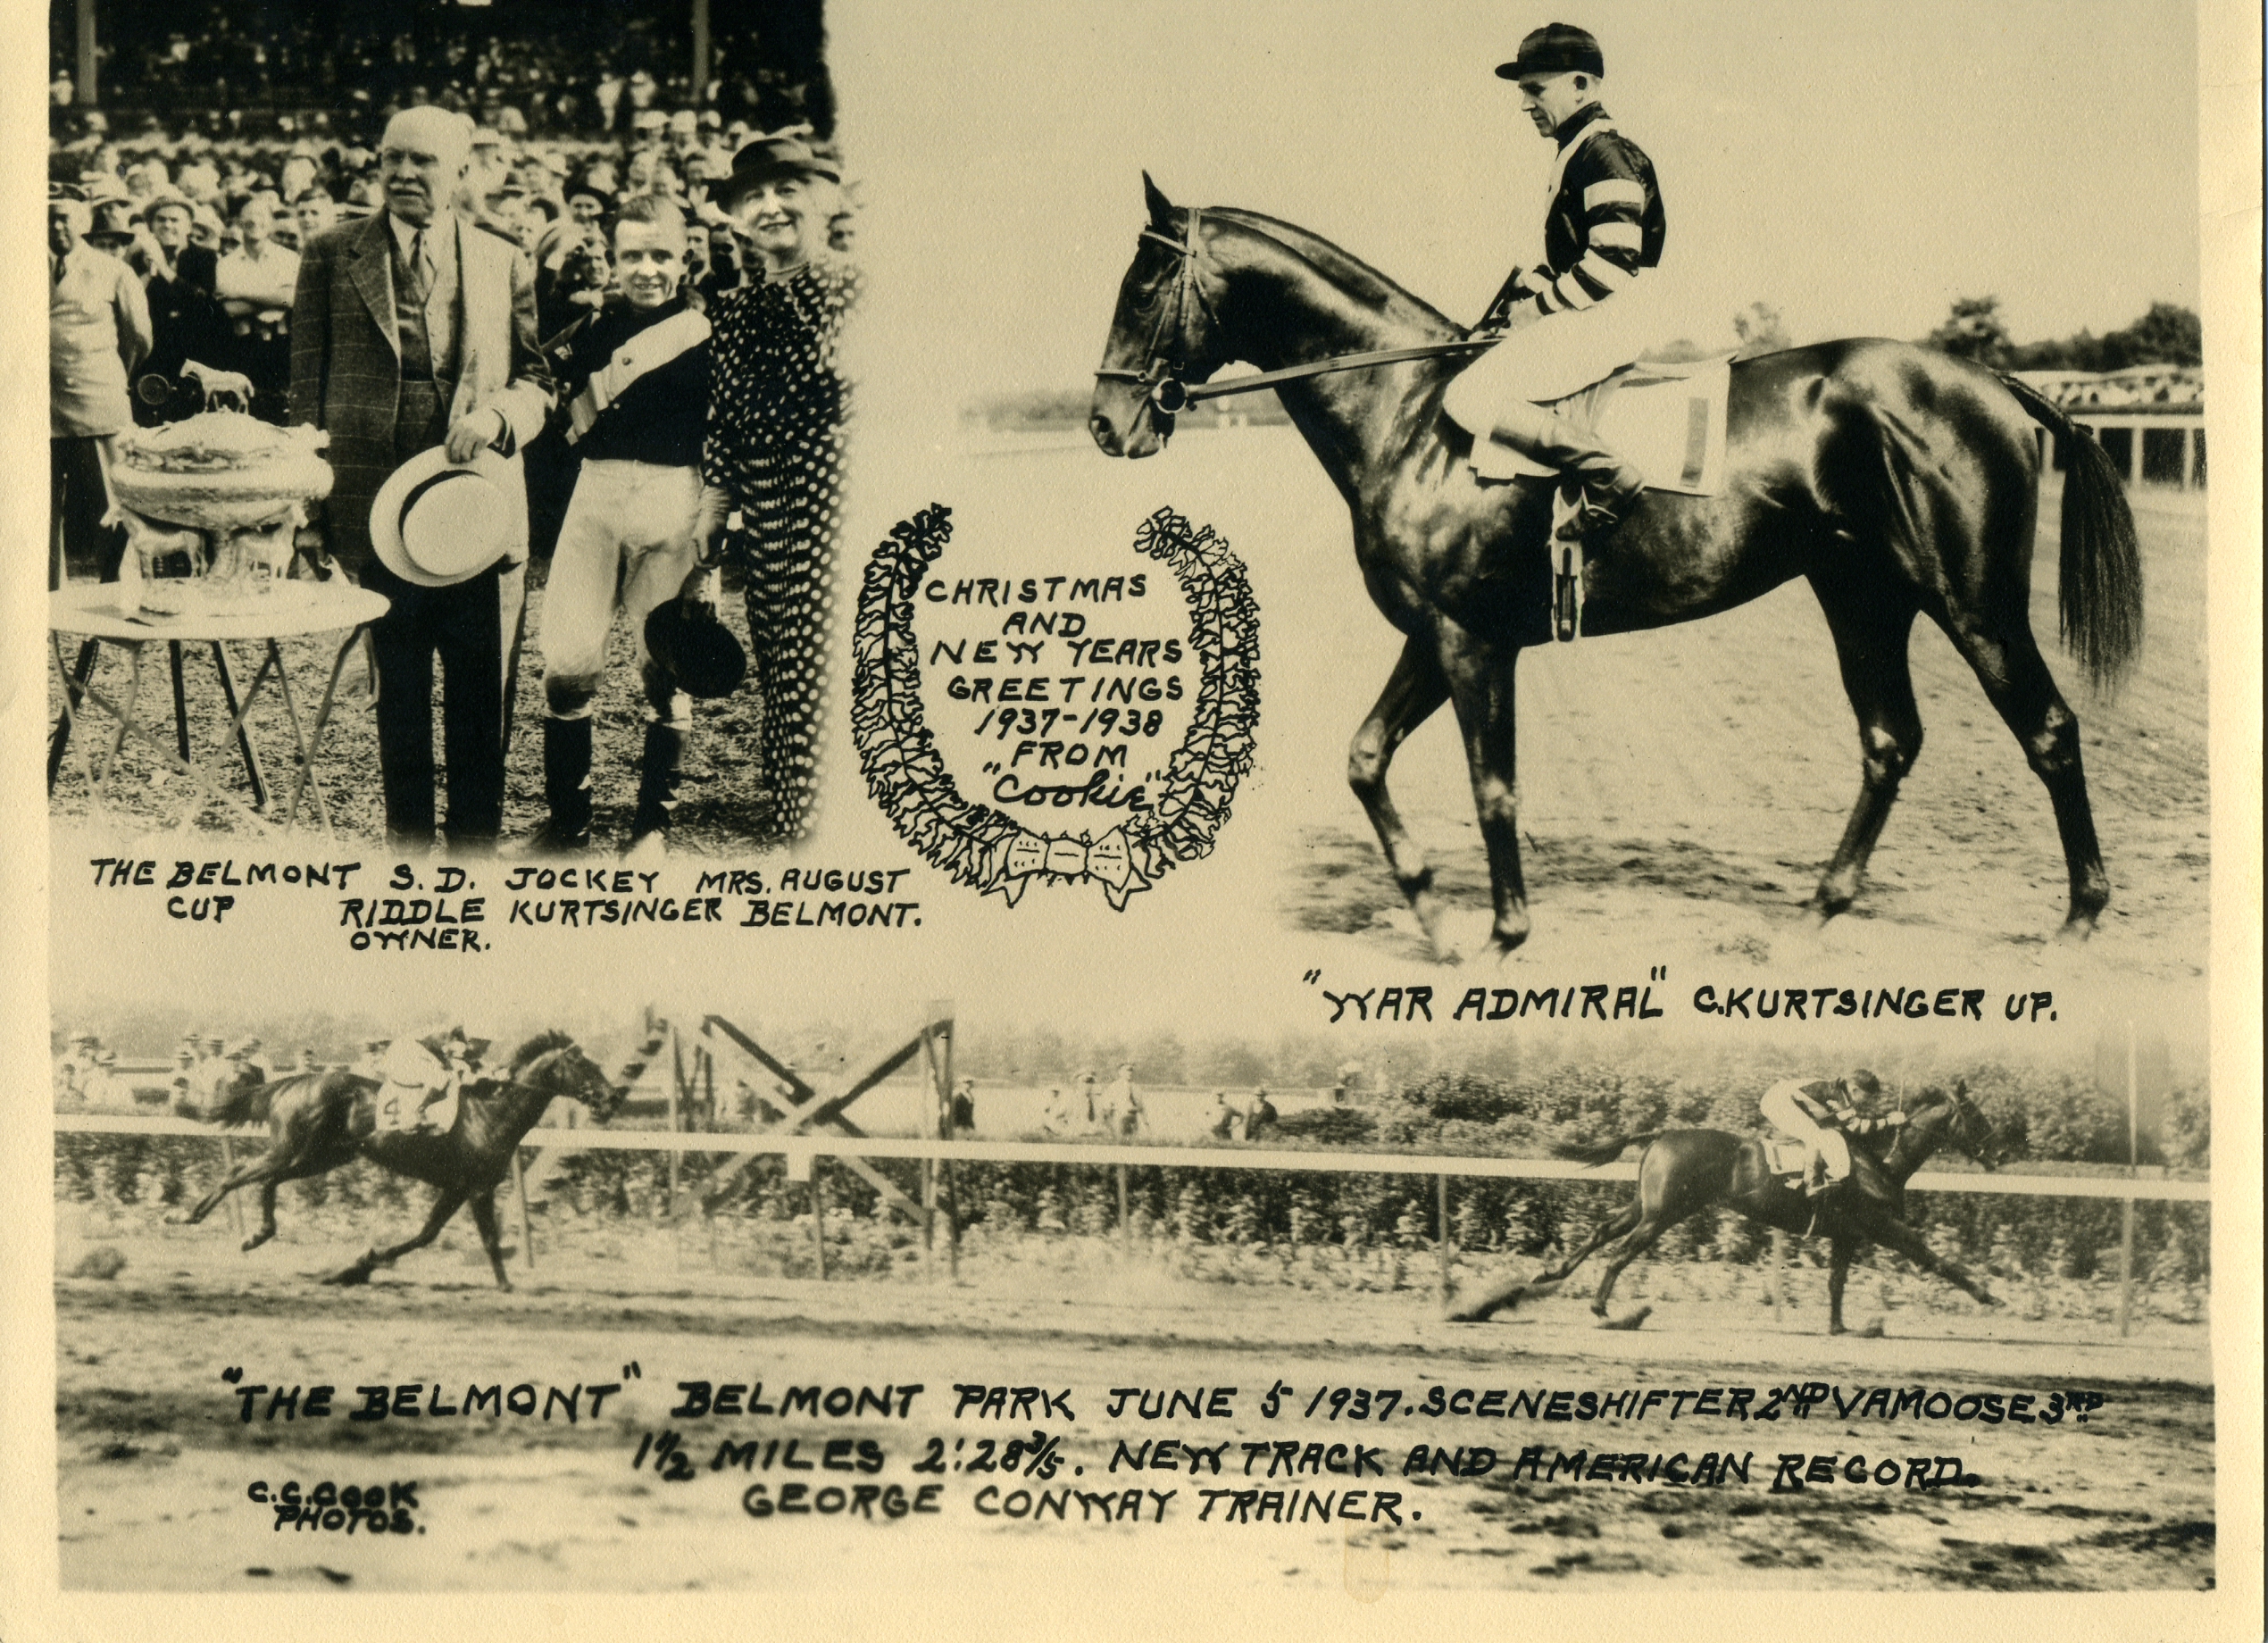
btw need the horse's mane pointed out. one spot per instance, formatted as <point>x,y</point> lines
<point>1347,272</point>
<point>542,1044</point>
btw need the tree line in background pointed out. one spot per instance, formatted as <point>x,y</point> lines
<point>2167,334</point>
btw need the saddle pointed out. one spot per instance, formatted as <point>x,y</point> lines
<point>376,1112</point>
<point>1668,420</point>
<point>1786,1159</point>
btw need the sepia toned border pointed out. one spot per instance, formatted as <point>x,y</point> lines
<point>30,1606</point>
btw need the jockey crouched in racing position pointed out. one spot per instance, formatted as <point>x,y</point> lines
<point>635,380</point>
<point>419,1072</point>
<point>1586,309</point>
<point>1822,1115</point>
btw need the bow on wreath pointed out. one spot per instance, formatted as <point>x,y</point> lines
<point>1109,861</point>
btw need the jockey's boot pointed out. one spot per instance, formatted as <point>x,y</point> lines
<point>566,790</point>
<point>1599,486</point>
<point>658,775</point>
<point>1815,1182</point>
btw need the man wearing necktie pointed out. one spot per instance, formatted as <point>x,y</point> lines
<point>410,329</point>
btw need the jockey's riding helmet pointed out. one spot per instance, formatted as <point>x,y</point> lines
<point>1556,48</point>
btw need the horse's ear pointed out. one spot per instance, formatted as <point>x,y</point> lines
<point>1161,208</point>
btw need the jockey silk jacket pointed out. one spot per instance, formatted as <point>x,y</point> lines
<point>1604,224</point>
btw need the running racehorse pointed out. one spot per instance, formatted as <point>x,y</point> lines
<point>1899,480</point>
<point>319,1121</point>
<point>1684,1171</point>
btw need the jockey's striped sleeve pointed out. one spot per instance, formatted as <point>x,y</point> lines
<point>1605,226</point>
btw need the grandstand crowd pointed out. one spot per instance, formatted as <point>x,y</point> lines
<point>212,229</point>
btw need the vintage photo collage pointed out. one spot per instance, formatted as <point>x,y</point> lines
<point>848,799</point>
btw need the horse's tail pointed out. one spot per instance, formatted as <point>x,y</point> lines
<point>2101,566</point>
<point>246,1101</point>
<point>1598,1153</point>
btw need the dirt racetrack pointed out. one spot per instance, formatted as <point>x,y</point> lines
<point>155,1464</point>
<point>1690,782</point>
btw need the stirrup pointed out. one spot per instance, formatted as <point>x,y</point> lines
<point>1567,568</point>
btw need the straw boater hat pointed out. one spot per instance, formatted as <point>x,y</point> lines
<point>436,523</point>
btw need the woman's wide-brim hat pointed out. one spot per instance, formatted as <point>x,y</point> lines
<point>769,159</point>
<point>436,523</point>
<point>1556,48</point>
<point>695,649</point>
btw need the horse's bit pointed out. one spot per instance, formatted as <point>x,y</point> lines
<point>1160,377</point>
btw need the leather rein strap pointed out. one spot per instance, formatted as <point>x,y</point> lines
<point>1169,394</point>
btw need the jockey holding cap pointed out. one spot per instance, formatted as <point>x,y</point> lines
<point>1587,307</point>
<point>1823,1115</point>
<point>418,1072</point>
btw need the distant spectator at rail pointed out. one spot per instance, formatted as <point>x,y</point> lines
<point>1123,1104</point>
<point>1228,1122</point>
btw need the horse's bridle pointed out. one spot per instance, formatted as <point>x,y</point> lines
<point>1161,376</point>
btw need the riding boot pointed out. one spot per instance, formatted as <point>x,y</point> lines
<point>657,783</point>
<point>566,790</point>
<point>1598,485</point>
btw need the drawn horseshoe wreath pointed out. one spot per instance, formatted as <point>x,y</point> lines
<point>978,845</point>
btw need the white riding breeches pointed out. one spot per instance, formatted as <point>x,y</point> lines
<point>1780,1106</point>
<point>629,525</point>
<point>1557,355</point>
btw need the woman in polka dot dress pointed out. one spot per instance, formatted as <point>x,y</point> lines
<point>774,450</point>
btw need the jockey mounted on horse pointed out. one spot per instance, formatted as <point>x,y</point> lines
<point>1586,309</point>
<point>419,1073</point>
<point>1822,1115</point>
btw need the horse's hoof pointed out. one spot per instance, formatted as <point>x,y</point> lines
<point>349,1276</point>
<point>1985,1297</point>
<point>1871,1329</point>
<point>1628,1321</point>
<point>2076,932</point>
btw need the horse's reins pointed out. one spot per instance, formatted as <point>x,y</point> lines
<point>1160,377</point>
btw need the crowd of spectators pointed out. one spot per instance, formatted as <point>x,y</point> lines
<point>211,227</point>
<point>542,70</point>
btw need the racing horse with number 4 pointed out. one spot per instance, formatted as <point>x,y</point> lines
<point>319,1121</point>
<point>1899,481</point>
<point>1684,1171</point>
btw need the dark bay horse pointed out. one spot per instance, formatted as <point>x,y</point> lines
<point>319,1121</point>
<point>1684,1171</point>
<point>1898,480</point>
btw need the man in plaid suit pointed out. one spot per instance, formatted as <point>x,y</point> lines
<point>410,329</point>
